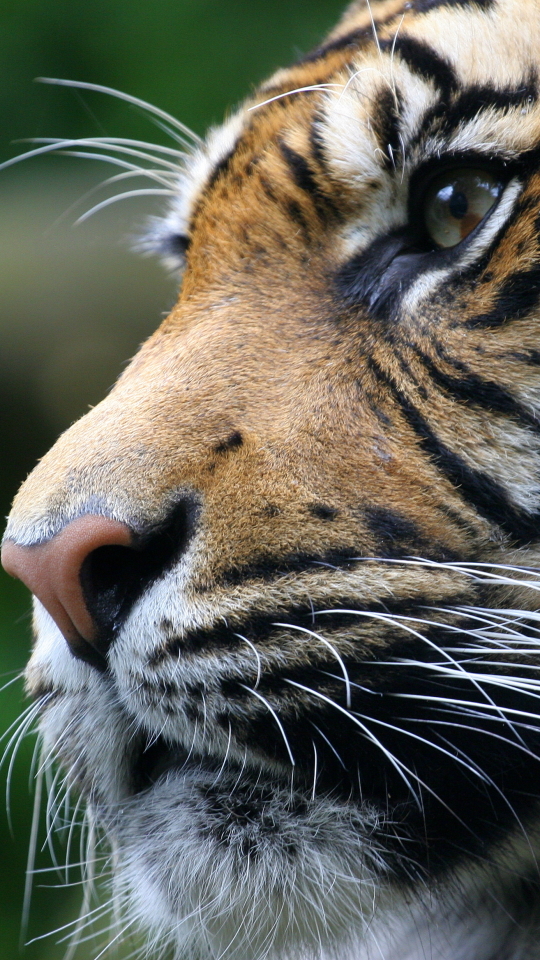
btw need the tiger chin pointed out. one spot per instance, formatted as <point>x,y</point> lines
<point>286,574</point>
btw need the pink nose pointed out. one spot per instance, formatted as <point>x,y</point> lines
<point>51,570</point>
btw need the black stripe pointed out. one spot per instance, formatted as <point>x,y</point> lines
<point>175,245</point>
<point>220,168</point>
<point>295,212</point>
<point>526,356</point>
<point>424,61</point>
<point>273,567</point>
<point>474,391</point>
<point>424,6</point>
<point>398,536</point>
<point>516,298</point>
<point>447,115</point>
<point>303,177</point>
<point>485,494</point>
<point>259,628</point>
<point>267,188</point>
<point>386,125</point>
<point>317,145</point>
<point>352,39</point>
<point>477,98</point>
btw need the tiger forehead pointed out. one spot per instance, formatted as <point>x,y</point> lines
<point>350,113</point>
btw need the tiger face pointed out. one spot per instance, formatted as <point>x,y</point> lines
<point>286,572</point>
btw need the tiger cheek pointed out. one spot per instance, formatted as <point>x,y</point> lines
<point>286,573</point>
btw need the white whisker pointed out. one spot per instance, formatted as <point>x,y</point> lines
<point>257,657</point>
<point>290,93</point>
<point>124,196</point>
<point>269,707</point>
<point>27,898</point>
<point>188,135</point>
<point>330,646</point>
<point>400,767</point>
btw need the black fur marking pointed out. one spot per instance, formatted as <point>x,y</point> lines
<point>424,61</point>
<point>232,442</point>
<point>317,146</point>
<point>295,212</point>
<point>477,98</point>
<point>261,627</point>
<point>303,177</point>
<point>424,6</point>
<point>220,168</point>
<point>449,114</point>
<point>386,127</point>
<point>272,567</point>
<point>353,39</point>
<point>268,189</point>
<point>396,535</point>
<point>175,245</point>
<point>474,391</point>
<point>271,510</point>
<point>485,494</point>
<point>517,297</point>
<point>323,512</point>
<point>529,356</point>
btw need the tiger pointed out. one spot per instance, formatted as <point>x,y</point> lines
<point>286,573</point>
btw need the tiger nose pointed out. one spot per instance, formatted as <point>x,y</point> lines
<point>53,572</point>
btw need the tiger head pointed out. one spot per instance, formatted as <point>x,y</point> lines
<point>286,572</point>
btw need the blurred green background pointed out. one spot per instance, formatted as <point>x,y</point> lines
<point>75,301</point>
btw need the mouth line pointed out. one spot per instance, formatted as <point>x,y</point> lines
<point>157,758</point>
<point>154,760</point>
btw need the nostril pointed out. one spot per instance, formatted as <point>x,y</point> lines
<point>110,577</point>
<point>91,573</point>
<point>113,577</point>
<point>51,570</point>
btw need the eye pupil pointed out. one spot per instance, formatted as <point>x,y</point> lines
<point>458,205</point>
<point>456,201</point>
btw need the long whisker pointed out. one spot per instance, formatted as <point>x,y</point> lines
<point>185,132</point>
<point>276,718</point>
<point>27,899</point>
<point>397,764</point>
<point>331,647</point>
<point>257,656</point>
<point>290,93</point>
<point>145,192</point>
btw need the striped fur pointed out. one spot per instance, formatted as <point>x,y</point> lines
<point>313,730</point>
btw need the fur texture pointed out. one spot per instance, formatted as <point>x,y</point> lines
<point>311,729</point>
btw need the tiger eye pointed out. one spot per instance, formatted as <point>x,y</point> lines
<point>457,201</point>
